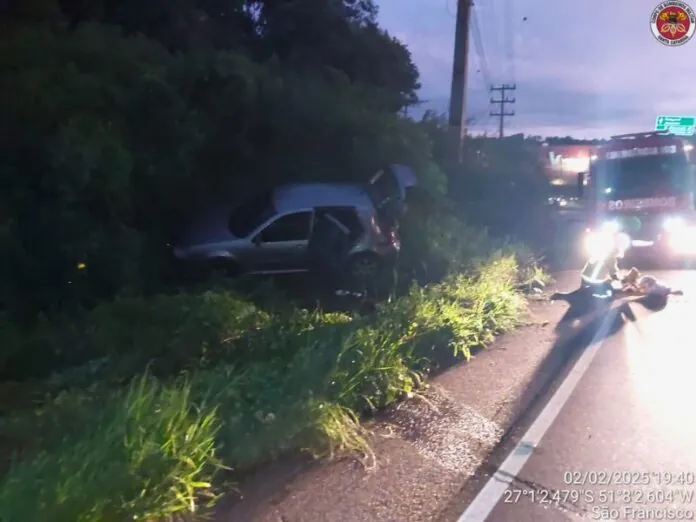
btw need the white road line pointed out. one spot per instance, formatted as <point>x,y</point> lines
<point>486,500</point>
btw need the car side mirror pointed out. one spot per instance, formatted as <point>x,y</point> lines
<point>581,184</point>
<point>257,240</point>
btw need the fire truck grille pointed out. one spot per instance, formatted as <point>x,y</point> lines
<point>644,228</point>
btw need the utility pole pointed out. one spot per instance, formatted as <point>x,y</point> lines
<point>457,108</point>
<point>502,102</point>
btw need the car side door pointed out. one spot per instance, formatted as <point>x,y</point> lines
<point>336,230</point>
<point>281,245</point>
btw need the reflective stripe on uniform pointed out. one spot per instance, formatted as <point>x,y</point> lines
<point>599,270</point>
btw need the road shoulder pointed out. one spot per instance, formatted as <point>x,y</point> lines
<point>425,449</point>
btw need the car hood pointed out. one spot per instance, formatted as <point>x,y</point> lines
<point>207,227</point>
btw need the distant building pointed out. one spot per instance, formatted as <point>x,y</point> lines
<point>563,162</point>
<point>564,158</point>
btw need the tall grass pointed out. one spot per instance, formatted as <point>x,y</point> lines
<point>145,453</point>
<point>246,395</point>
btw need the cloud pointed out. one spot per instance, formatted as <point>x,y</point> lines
<point>579,67</point>
<point>543,105</point>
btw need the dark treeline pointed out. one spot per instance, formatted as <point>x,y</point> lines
<point>120,118</point>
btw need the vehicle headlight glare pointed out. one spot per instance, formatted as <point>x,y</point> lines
<point>623,242</point>
<point>599,244</point>
<point>683,239</point>
<point>610,227</point>
<point>674,223</point>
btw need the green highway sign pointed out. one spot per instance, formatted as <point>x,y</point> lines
<point>679,125</point>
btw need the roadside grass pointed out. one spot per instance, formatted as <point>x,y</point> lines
<point>141,454</point>
<point>227,386</point>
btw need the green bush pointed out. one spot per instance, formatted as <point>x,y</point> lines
<point>171,333</point>
<point>501,184</point>
<point>113,142</point>
<point>439,244</point>
<point>166,332</point>
<point>139,395</point>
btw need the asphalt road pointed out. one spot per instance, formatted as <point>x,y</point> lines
<point>614,437</point>
<point>539,427</point>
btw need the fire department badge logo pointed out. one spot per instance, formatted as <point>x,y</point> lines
<point>673,23</point>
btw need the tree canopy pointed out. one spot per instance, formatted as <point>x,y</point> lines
<point>326,37</point>
<point>120,118</point>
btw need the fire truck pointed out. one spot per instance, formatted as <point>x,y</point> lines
<point>640,193</point>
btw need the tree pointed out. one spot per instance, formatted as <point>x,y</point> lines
<point>495,177</point>
<point>112,141</point>
<point>325,37</point>
<point>340,35</point>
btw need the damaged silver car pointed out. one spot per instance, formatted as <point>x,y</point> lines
<point>270,232</point>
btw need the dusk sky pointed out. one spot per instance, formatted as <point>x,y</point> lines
<point>586,69</point>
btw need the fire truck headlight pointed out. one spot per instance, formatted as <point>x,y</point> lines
<point>623,242</point>
<point>603,243</point>
<point>599,244</point>
<point>610,227</point>
<point>674,223</point>
<point>683,239</point>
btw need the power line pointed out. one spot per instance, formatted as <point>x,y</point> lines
<point>509,38</point>
<point>503,34</point>
<point>469,19</point>
<point>480,50</point>
<point>505,39</point>
<point>457,109</point>
<point>504,100</point>
<point>480,119</point>
<point>481,72</point>
<point>478,44</point>
<point>490,21</point>
<point>496,21</point>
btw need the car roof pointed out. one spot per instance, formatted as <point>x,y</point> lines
<point>297,196</point>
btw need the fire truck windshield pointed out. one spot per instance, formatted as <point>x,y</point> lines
<point>641,176</point>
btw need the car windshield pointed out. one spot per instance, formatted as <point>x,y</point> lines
<point>641,176</point>
<point>247,217</point>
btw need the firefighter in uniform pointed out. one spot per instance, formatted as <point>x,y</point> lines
<point>600,273</point>
<point>599,277</point>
